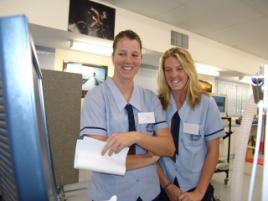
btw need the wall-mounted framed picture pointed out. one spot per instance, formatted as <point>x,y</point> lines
<point>91,18</point>
<point>205,85</point>
<point>92,75</point>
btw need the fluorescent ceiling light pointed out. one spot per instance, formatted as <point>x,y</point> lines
<point>100,48</point>
<point>207,70</point>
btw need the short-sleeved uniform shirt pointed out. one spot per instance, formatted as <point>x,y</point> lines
<point>197,127</point>
<point>103,114</point>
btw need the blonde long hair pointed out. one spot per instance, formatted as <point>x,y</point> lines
<point>193,89</point>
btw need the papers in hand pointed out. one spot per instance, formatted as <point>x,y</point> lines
<point>88,156</point>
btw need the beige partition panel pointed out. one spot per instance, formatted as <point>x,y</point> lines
<point>62,93</point>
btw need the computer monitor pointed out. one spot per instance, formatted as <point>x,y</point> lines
<point>221,101</point>
<point>26,167</point>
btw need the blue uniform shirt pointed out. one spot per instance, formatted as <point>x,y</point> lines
<point>103,114</point>
<point>197,126</point>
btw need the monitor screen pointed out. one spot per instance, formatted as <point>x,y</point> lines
<point>221,102</point>
<point>26,168</point>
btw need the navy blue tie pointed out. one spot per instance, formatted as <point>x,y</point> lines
<point>131,125</point>
<point>175,130</point>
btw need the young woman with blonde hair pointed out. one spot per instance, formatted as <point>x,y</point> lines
<point>196,126</point>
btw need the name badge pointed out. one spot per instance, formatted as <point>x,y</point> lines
<point>146,117</point>
<point>191,128</point>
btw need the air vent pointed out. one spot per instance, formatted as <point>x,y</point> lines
<point>179,39</point>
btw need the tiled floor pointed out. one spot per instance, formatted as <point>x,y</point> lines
<point>223,192</point>
<point>77,192</point>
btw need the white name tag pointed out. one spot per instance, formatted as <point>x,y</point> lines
<point>146,118</point>
<point>191,128</point>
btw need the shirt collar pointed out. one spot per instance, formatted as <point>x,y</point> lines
<point>120,101</point>
<point>135,99</point>
<point>172,108</point>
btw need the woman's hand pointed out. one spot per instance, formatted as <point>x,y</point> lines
<point>117,141</point>
<point>173,192</point>
<point>191,196</point>
<point>154,157</point>
<point>135,161</point>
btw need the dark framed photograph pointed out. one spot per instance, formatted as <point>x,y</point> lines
<point>91,18</point>
<point>92,75</point>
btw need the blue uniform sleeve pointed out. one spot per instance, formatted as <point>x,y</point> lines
<point>160,115</point>
<point>93,119</point>
<point>214,126</point>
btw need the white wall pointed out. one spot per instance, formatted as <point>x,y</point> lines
<point>155,35</point>
<point>47,13</point>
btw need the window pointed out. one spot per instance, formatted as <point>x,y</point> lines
<point>237,95</point>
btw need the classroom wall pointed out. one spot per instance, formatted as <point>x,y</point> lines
<point>155,34</point>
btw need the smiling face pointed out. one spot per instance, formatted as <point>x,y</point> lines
<point>127,59</point>
<point>175,75</point>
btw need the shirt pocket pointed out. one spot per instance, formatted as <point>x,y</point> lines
<point>147,128</point>
<point>194,139</point>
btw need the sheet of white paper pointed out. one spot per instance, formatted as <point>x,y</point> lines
<point>88,156</point>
